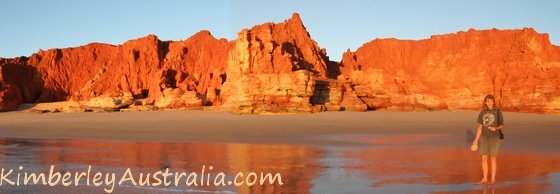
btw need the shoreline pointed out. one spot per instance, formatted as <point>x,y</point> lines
<point>78,107</point>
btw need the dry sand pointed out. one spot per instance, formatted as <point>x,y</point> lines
<point>523,130</point>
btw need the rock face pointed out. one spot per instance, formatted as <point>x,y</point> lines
<point>18,82</point>
<point>167,73</point>
<point>273,68</point>
<point>521,68</point>
<point>280,68</point>
<point>336,95</point>
<point>194,70</point>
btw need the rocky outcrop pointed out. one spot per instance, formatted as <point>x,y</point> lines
<point>455,71</point>
<point>273,68</point>
<point>19,82</point>
<point>279,68</point>
<point>336,95</point>
<point>169,74</point>
<point>197,68</point>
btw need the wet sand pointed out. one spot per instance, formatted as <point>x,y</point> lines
<point>333,152</point>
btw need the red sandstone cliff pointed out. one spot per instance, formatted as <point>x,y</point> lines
<point>167,73</point>
<point>279,68</point>
<point>455,71</point>
<point>273,68</point>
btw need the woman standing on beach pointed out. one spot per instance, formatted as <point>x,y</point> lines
<point>490,122</point>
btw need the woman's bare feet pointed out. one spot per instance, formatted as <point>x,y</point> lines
<point>493,182</point>
<point>483,181</point>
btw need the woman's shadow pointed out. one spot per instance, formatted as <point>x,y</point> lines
<point>469,136</point>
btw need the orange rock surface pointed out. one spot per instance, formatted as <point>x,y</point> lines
<point>273,68</point>
<point>167,73</point>
<point>521,68</point>
<point>278,67</point>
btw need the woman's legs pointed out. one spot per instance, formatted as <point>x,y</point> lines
<point>489,149</point>
<point>494,168</point>
<point>484,169</point>
<point>494,147</point>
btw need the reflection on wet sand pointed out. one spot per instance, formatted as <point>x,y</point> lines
<point>451,169</point>
<point>388,164</point>
<point>295,163</point>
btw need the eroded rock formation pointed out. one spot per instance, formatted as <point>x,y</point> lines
<point>278,67</point>
<point>273,68</point>
<point>455,71</point>
<point>169,74</point>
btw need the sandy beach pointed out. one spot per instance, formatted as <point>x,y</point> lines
<point>331,152</point>
<point>524,131</point>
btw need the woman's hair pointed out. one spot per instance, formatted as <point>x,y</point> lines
<point>491,97</point>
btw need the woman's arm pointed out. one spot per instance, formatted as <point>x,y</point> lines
<point>496,128</point>
<point>478,133</point>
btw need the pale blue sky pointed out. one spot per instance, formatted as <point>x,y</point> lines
<point>28,26</point>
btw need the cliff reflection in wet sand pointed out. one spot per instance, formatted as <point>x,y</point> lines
<point>296,164</point>
<point>383,164</point>
<point>414,166</point>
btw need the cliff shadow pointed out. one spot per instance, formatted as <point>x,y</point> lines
<point>170,78</point>
<point>321,93</point>
<point>297,55</point>
<point>333,68</point>
<point>23,83</point>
